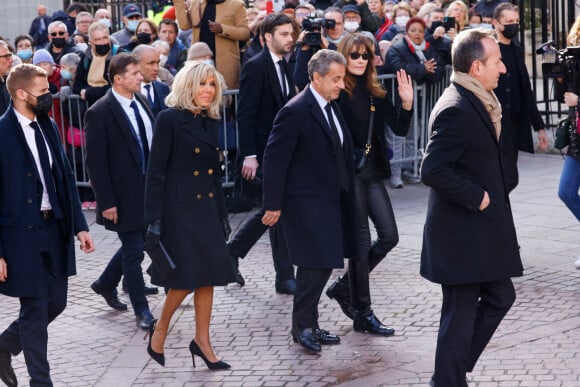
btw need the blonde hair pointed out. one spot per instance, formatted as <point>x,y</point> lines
<point>574,35</point>
<point>186,87</point>
<point>22,76</point>
<point>460,22</point>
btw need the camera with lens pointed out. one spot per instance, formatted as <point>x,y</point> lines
<point>560,64</point>
<point>314,26</point>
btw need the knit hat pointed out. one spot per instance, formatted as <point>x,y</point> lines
<point>42,55</point>
<point>197,50</point>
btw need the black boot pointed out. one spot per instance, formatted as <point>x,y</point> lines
<point>340,291</point>
<point>238,276</point>
<point>366,321</point>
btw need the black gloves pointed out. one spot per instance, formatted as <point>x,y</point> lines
<point>152,236</point>
<point>226,227</point>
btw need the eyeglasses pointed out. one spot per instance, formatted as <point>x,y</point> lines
<point>6,56</point>
<point>59,33</point>
<point>302,14</point>
<point>356,55</point>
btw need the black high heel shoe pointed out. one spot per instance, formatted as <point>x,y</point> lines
<point>158,357</point>
<point>195,350</point>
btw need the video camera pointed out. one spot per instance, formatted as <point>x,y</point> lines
<point>314,26</point>
<point>562,64</point>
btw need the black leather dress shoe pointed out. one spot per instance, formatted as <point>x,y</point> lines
<point>7,374</point>
<point>340,292</point>
<point>325,337</point>
<point>307,339</point>
<point>149,290</point>
<point>110,296</point>
<point>145,321</point>
<point>286,287</point>
<point>237,275</point>
<point>370,323</point>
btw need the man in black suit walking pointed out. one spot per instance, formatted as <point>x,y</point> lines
<point>470,245</point>
<point>265,86</point>
<point>119,130</point>
<point>308,174</point>
<point>153,90</point>
<point>40,213</point>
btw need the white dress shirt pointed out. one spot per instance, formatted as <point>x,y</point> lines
<point>126,105</point>
<point>144,91</point>
<point>323,102</point>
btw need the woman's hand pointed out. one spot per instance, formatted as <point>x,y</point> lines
<point>405,89</point>
<point>571,99</point>
<point>430,66</point>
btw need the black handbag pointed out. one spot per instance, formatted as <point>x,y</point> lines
<point>563,130</point>
<point>361,155</point>
<point>162,261</point>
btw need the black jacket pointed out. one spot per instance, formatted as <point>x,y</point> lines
<point>401,56</point>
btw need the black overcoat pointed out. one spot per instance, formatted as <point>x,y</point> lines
<point>462,245</point>
<point>184,192</point>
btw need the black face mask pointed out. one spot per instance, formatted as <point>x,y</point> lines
<point>435,24</point>
<point>59,42</point>
<point>144,38</point>
<point>510,30</point>
<point>43,103</point>
<point>102,49</point>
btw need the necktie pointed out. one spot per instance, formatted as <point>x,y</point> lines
<point>281,63</point>
<point>340,159</point>
<point>149,98</point>
<point>142,135</point>
<point>46,170</point>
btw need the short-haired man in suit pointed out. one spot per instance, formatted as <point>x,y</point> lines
<point>5,64</point>
<point>470,245</point>
<point>308,185</point>
<point>40,212</point>
<point>265,86</point>
<point>119,130</point>
<point>153,90</point>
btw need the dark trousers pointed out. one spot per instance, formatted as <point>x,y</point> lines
<point>29,332</point>
<point>372,201</point>
<point>127,262</point>
<point>509,150</point>
<point>309,286</point>
<point>469,316</point>
<point>248,235</point>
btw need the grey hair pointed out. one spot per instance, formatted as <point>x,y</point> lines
<point>467,48</point>
<point>56,24</point>
<point>161,43</point>
<point>83,13</point>
<point>98,26</point>
<point>321,61</point>
<point>71,59</point>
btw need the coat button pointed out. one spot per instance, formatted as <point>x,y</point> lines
<point>198,196</point>
<point>195,173</point>
<point>197,150</point>
<point>210,195</point>
<point>29,174</point>
<point>217,149</point>
<point>29,227</point>
<point>210,172</point>
<point>29,201</point>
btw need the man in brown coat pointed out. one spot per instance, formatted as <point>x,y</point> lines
<point>221,24</point>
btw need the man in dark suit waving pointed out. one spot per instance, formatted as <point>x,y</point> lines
<point>265,86</point>
<point>308,174</point>
<point>40,213</point>
<point>119,130</point>
<point>153,90</point>
<point>470,245</point>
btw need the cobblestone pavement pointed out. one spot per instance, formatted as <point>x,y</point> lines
<point>537,344</point>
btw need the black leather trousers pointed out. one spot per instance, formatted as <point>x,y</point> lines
<point>372,201</point>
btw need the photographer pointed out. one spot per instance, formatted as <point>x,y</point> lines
<point>570,177</point>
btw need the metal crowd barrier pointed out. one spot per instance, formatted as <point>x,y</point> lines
<point>68,111</point>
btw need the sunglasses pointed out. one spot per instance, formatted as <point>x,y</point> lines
<point>356,55</point>
<point>60,33</point>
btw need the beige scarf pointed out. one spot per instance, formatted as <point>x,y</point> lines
<point>95,76</point>
<point>487,98</point>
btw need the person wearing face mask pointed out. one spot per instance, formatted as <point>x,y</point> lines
<point>162,48</point>
<point>92,80</point>
<point>102,15</point>
<point>519,109</point>
<point>38,195</point>
<point>24,48</point>
<point>352,18</point>
<point>131,17</point>
<point>146,33</point>
<point>59,43</point>
<point>401,15</point>
<point>368,21</point>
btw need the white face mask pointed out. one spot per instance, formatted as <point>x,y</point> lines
<point>209,62</point>
<point>82,46</point>
<point>402,21</point>
<point>162,60</point>
<point>351,26</point>
<point>106,22</point>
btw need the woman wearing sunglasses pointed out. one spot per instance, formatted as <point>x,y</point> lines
<point>366,107</point>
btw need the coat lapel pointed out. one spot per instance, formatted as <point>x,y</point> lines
<point>22,139</point>
<point>272,77</point>
<point>480,109</point>
<point>317,113</point>
<point>125,126</point>
<point>186,120</point>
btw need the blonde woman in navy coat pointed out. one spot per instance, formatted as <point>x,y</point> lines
<point>185,206</point>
